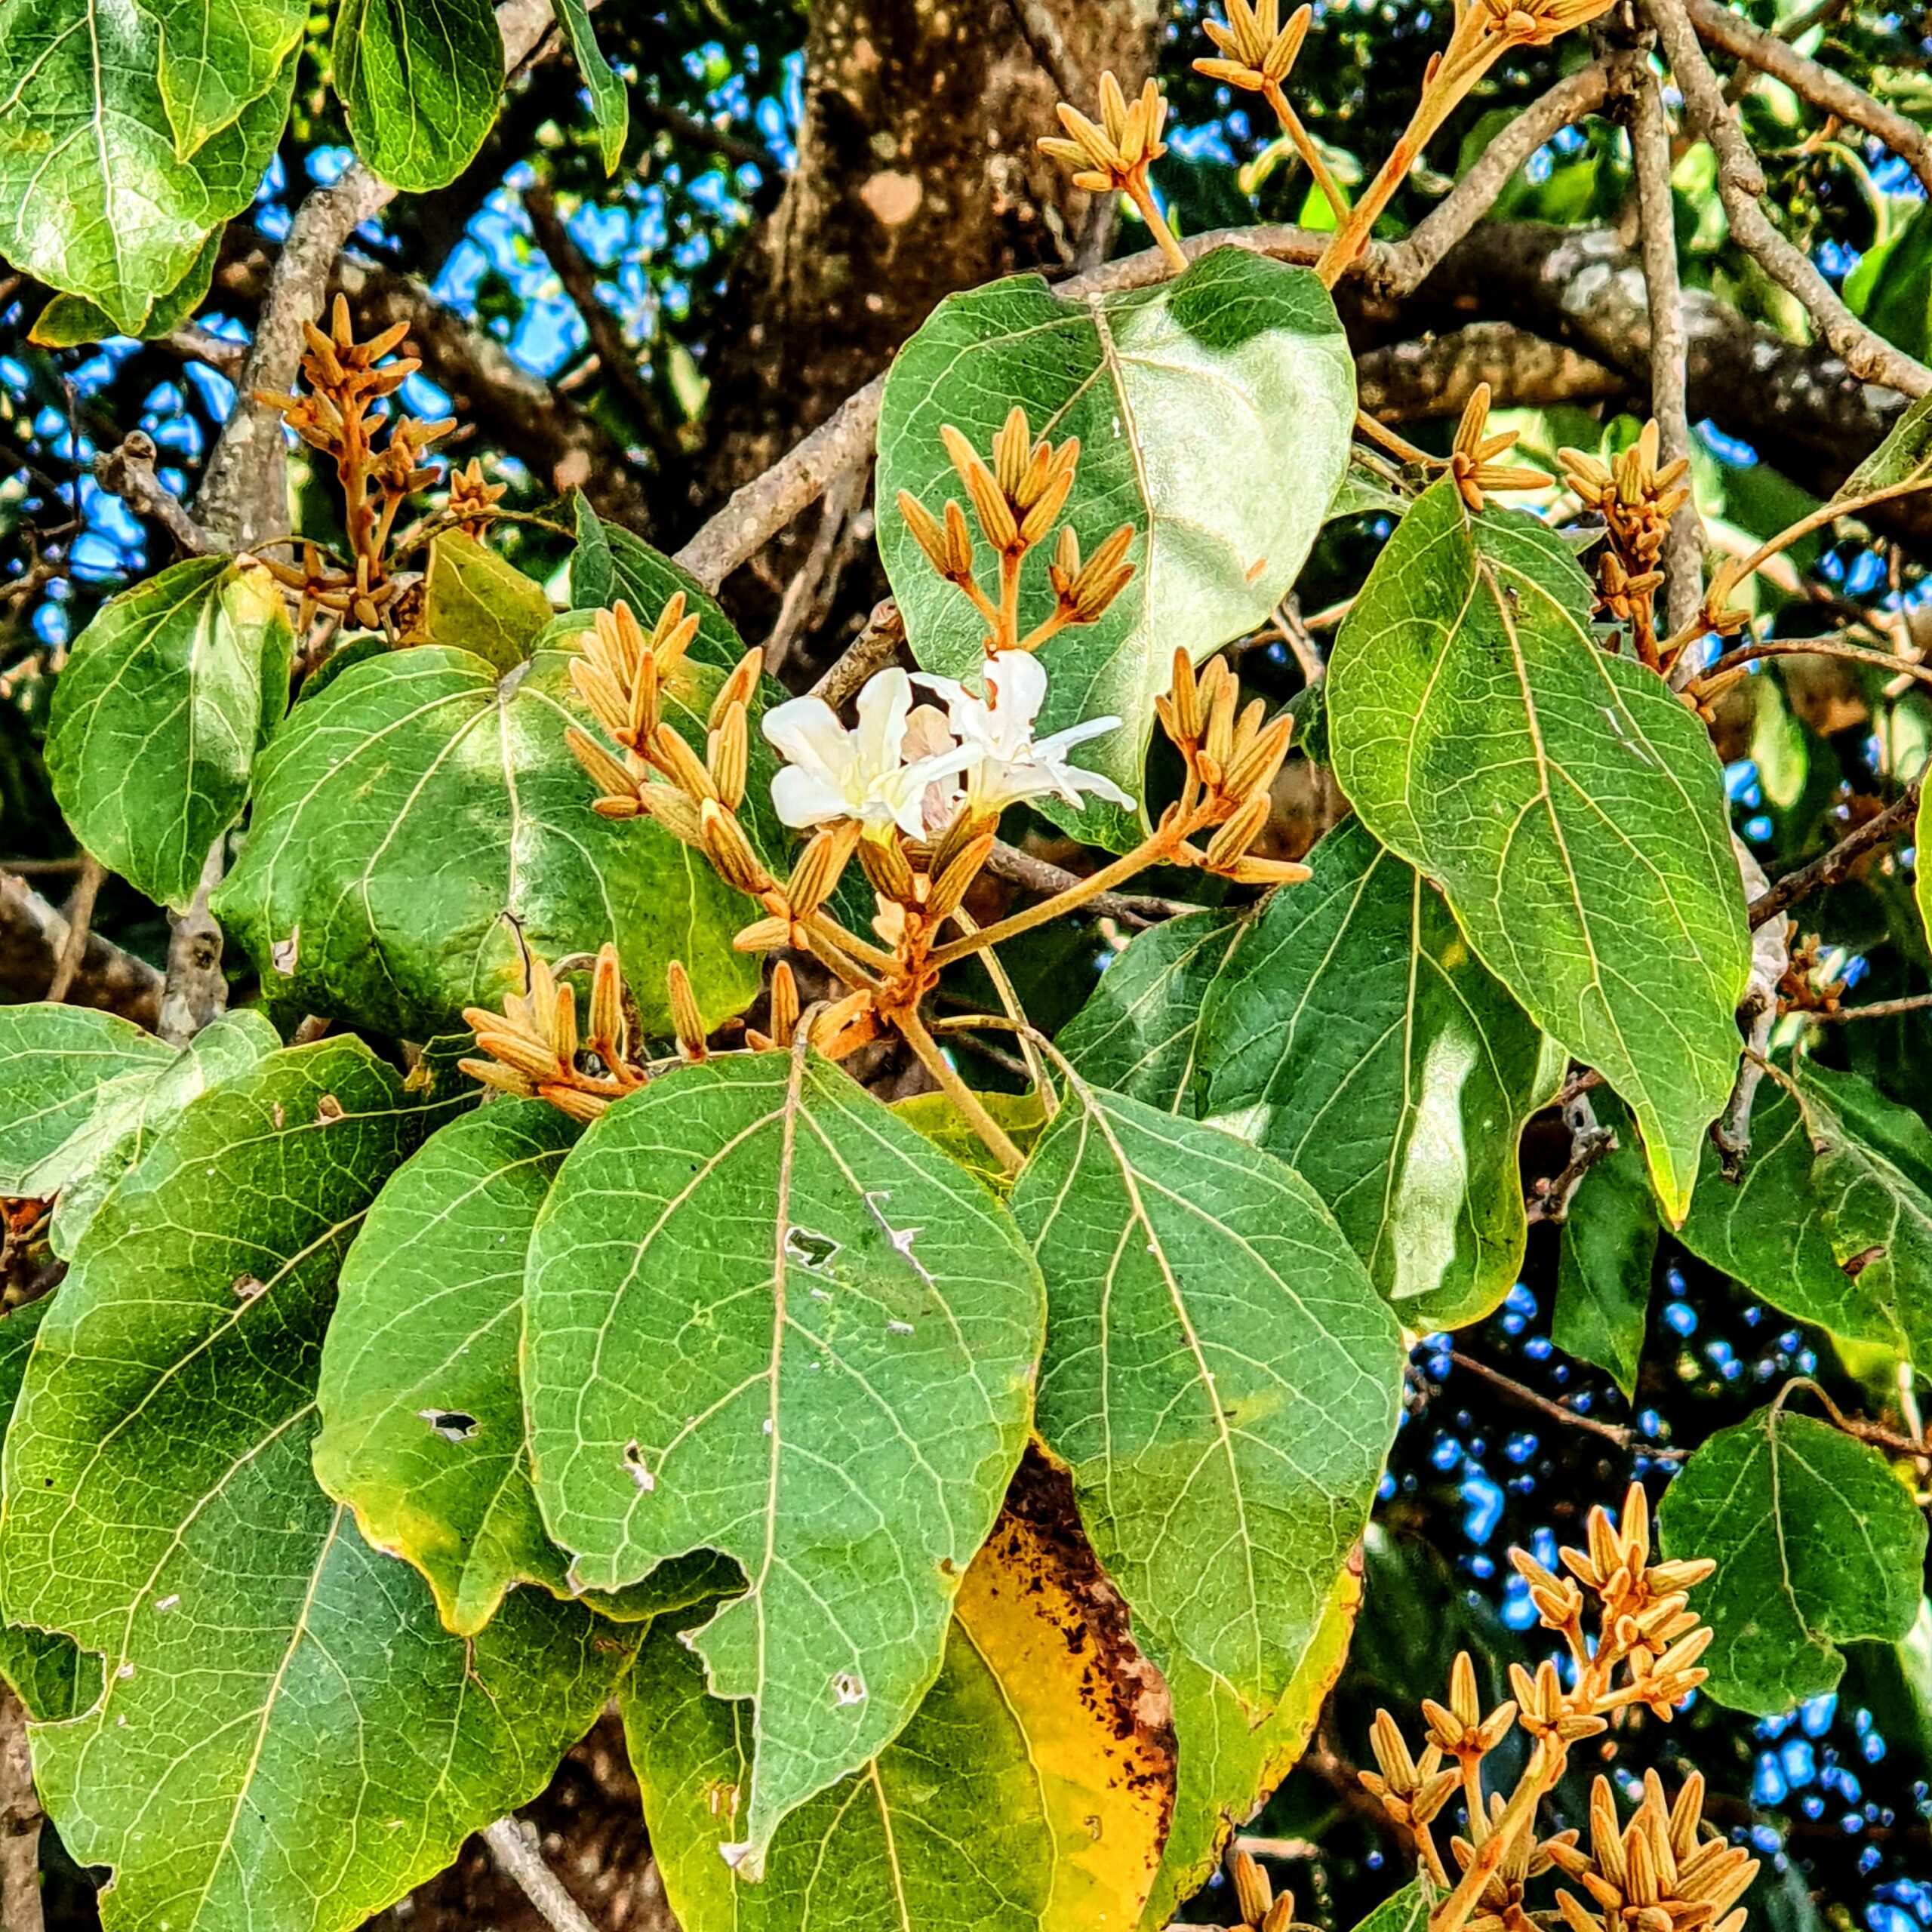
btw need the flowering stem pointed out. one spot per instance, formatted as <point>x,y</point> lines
<point>1311,155</point>
<point>1150,851</point>
<point>998,1144</point>
<point>1141,196</point>
<point>1006,634</point>
<point>1036,1068</point>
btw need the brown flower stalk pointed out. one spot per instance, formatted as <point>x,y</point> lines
<point>1114,157</point>
<point>1662,1872</point>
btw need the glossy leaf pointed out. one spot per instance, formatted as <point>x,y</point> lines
<point>1385,1063</point>
<point>610,99</point>
<point>765,1317</point>
<point>1405,1911</point>
<point>1020,1115</point>
<point>478,602</point>
<point>1227,1765</point>
<point>1831,1220</point>
<point>420,81</point>
<point>1906,454</point>
<point>1817,1543</point>
<point>1160,385</point>
<point>422,1430</point>
<point>218,58</point>
<point>1609,1249</point>
<point>420,821</point>
<point>1219,1375</point>
<point>56,1062</point>
<point>167,698</point>
<point>160,1509</point>
<point>1136,1033</point>
<point>1026,1793</point>
<point>70,320</point>
<point>610,563</point>
<point>1569,806</point>
<point>51,1674</point>
<point>94,198</point>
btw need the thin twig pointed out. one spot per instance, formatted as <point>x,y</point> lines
<point>814,586</point>
<point>1878,1009</point>
<point>80,920</point>
<point>1625,1437</point>
<point>1830,92</point>
<point>1041,876</point>
<point>872,650</point>
<point>1827,870</point>
<point>1812,647</point>
<point>1588,1144</point>
<point>194,343</point>
<point>1740,188</point>
<point>512,1845</point>
<point>1757,1012</point>
<point>1650,144</point>
<point>129,473</point>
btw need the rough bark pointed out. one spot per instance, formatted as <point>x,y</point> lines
<point>917,175</point>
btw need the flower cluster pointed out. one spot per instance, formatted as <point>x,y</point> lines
<point>1637,501</point>
<point>1661,1873</point>
<point>1114,157</point>
<point>343,417</point>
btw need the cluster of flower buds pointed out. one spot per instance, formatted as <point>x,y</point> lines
<point>1665,1871</point>
<point>343,415</point>
<point>1256,51</point>
<point>1473,457</point>
<point>1637,501</point>
<point>1232,761</point>
<point>1017,499</point>
<point>1260,1907</point>
<point>1645,1652</point>
<point>1115,156</point>
<point>1808,985</point>
<point>473,498</point>
<point>536,1051</point>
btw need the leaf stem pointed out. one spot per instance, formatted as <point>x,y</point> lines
<point>997,1144</point>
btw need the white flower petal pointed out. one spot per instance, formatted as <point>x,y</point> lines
<point>1018,681</point>
<point>801,797</point>
<point>1048,750</point>
<point>1074,778</point>
<point>806,731</point>
<point>884,704</point>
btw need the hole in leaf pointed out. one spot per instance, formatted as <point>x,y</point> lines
<point>848,1689</point>
<point>809,1250</point>
<point>634,1462</point>
<point>452,1425</point>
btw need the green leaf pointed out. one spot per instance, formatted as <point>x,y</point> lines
<point>1160,385</point>
<point>1569,806</point>
<point>1922,874</point>
<point>51,1674</point>
<point>1831,1220</point>
<point>1405,1911</point>
<point>1906,454</point>
<point>218,58</point>
<point>419,821</point>
<point>56,1063</point>
<point>422,1430</point>
<point>1136,1034</point>
<point>1023,1794</point>
<point>610,99</point>
<point>420,81</point>
<point>93,199</point>
<point>763,1316</point>
<point>478,602</point>
<point>165,701</point>
<point>1609,1247</point>
<point>1228,1765</point>
<point>70,320</point>
<point>139,1105</point>
<point>1220,1376</point>
<point>1816,1542</point>
<point>610,563</point>
<point>935,1116</point>
<point>1389,1068</point>
<point>286,1738</point>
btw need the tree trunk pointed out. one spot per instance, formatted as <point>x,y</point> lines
<point>917,175</point>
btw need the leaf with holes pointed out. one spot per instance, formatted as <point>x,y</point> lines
<point>1136,1033</point>
<point>764,1316</point>
<point>1362,1041</point>
<point>1220,1376</point>
<point>94,198</point>
<point>1569,806</point>
<point>420,81</point>
<point>1816,1542</point>
<point>1028,1793</point>
<point>286,1738</point>
<point>421,821</point>
<point>168,697</point>
<point>1160,385</point>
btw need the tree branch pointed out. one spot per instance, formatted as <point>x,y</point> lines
<point>1433,378</point>
<point>19,1822</point>
<point>80,921</point>
<point>127,472</point>
<point>511,1844</point>
<point>1740,185</point>
<point>1829,92</point>
<point>195,989</point>
<point>33,935</point>
<point>1896,819</point>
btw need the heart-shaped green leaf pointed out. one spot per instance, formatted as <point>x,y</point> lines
<point>421,821</point>
<point>94,198</point>
<point>763,1316</point>
<point>1569,806</point>
<point>1385,1064</point>
<point>287,1737</point>
<point>218,58</point>
<point>1214,413</point>
<point>420,81</point>
<point>1220,1376</point>
<point>168,697</point>
<point>1816,1543</point>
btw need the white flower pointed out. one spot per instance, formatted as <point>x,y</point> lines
<point>864,773</point>
<point>1005,764</point>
